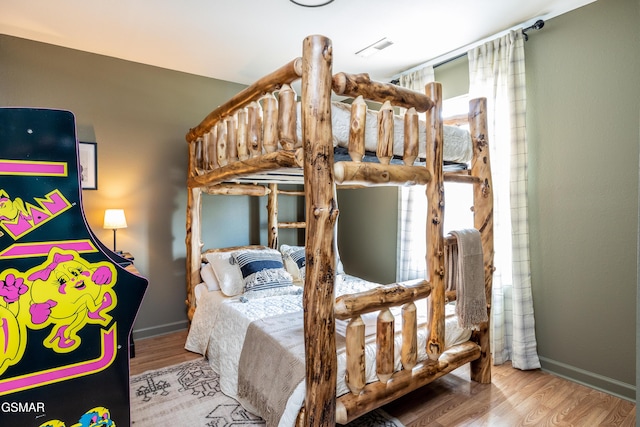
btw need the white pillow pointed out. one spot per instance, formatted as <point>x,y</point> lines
<point>339,266</point>
<point>209,277</point>
<point>294,261</point>
<point>199,290</point>
<point>227,272</point>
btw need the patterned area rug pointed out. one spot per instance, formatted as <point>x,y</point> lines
<point>188,394</point>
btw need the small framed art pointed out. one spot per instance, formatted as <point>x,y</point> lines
<point>88,153</point>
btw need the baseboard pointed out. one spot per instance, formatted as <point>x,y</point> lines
<point>589,379</point>
<point>153,331</point>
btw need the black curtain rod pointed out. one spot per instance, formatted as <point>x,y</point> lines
<point>446,61</point>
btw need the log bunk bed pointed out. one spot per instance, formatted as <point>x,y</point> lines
<point>248,146</point>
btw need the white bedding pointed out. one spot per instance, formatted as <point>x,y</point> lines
<point>457,141</point>
<point>220,323</point>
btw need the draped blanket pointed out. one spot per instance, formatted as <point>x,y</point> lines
<point>467,278</point>
<point>268,374</point>
<point>272,364</point>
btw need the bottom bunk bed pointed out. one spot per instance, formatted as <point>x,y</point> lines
<point>265,316</point>
<point>254,340</point>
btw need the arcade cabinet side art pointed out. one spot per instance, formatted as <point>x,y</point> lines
<point>66,304</point>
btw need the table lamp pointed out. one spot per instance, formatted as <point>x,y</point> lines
<point>113,220</point>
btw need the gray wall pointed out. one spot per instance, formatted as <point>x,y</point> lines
<point>366,242</point>
<point>583,101</point>
<point>583,82</point>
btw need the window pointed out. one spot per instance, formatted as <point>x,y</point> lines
<point>413,211</point>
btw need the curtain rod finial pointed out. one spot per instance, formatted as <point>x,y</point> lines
<point>536,26</point>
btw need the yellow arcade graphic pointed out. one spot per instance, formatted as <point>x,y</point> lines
<point>65,293</point>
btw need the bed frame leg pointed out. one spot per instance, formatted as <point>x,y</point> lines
<point>481,367</point>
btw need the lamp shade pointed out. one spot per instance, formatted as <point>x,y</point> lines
<point>114,219</point>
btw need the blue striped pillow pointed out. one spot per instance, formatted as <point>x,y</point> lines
<point>263,271</point>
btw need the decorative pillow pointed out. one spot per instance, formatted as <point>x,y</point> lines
<point>209,277</point>
<point>262,270</point>
<point>199,290</point>
<point>227,272</point>
<point>294,261</point>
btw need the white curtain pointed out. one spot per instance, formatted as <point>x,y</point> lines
<point>412,206</point>
<point>497,72</point>
<point>412,229</point>
<point>418,79</point>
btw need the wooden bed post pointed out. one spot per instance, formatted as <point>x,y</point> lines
<point>194,232</point>
<point>321,213</point>
<point>435,219</point>
<point>483,221</point>
<point>272,216</point>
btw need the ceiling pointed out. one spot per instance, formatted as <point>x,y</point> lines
<point>242,40</point>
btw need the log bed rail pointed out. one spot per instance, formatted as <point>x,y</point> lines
<point>255,131</point>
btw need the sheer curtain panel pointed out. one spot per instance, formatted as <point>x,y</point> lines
<point>412,205</point>
<point>497,72</point>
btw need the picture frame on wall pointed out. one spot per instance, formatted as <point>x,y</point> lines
<point>88,157</point>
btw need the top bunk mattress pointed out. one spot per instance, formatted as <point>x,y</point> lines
<point>457,140</point>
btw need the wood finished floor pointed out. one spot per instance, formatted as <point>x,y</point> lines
<point>514,398</point>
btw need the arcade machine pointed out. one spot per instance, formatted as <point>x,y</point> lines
<point>67,304</point>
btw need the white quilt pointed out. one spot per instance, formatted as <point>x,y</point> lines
<point>220,323</point>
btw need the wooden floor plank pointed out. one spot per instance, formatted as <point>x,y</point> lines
<point>514,397</point>
<point>159,352</point>
<point>591,411</point>
<point>621,410</point>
